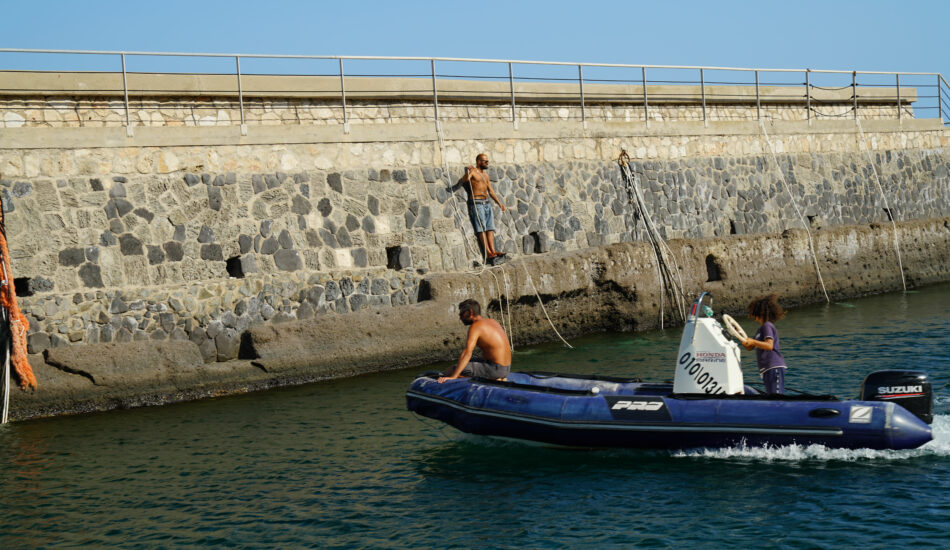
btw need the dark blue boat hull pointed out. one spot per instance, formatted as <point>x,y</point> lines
<point>569,411</point>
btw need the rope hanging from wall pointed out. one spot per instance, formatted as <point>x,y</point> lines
<point>890,214</point>
<point>811,243</point>
<point>18,322</point>
<point>669,279</point>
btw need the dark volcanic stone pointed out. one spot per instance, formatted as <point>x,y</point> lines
<point>288,260</point>
<point>245,243</point>
<point>108,239</point>
<point>155,255</point>
<point>358,302</point>
<point>332,291</point>
<point>71,256</point>
<point>266,227</point>
<point>129,245</point>
<point>173,251</point>
<point>269,245</point>
<point>123,206</point>
<point>91,276</point>
<point>335,181</point>
<point>144,214</point>
<point>214,198</point>
<point>22,189</point>
<point>300,206</point>
<point>257,184</point>
<point>285,240</point>
<point>369,225</point>
<point>324,207</point>
<point>212,252</point>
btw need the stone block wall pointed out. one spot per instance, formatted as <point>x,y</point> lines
<point>171,241</point>
<point>204,256</point>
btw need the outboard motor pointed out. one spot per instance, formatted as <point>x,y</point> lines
<point>908,388</point>
<point>708,362</point>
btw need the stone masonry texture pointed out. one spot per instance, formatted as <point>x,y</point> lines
<point>208,242</point>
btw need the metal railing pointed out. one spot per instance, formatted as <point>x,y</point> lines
<point>594,90</point>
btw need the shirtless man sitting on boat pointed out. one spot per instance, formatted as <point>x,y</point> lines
<point>490,338</point>
<point>479,209</point>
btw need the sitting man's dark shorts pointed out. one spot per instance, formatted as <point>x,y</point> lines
<point>485,369</point>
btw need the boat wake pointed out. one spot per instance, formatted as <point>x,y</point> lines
<point>940,447</point>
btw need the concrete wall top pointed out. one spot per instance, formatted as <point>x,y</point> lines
<point>21,83</point>
<point>113,137</point>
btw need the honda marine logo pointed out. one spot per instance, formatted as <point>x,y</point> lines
<point>637,406</point>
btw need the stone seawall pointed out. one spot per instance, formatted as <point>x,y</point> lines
<point>602,288</point>
<point>196,242</point>
<point>204,255</point>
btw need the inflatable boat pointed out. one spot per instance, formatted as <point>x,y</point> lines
<point>707,405</point>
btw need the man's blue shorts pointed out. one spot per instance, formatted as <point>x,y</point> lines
<point>480,213</point>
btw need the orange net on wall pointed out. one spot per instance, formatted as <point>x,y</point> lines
<point>18,323</point>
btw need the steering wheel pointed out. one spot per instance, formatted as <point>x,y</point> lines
<point>734,328</point>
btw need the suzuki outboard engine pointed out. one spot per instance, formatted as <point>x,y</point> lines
<point>908,388</point>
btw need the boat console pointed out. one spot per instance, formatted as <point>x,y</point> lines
<point>707,362</point>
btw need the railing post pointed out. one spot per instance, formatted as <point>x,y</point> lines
<point>580,79</point>
<point>346,121</point>
<point>435,98</point>
<point>237,64</point>
<point>125,92</point>
<point>854,92</point>
<point>939,101</point>
<point>511,87</point>
<point>807,97</point>
<point>758,98</point>
<point>646,107</point>
<point>898,76</point>
<point>702,91</point>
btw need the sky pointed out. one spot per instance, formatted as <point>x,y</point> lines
<point>866,35</point>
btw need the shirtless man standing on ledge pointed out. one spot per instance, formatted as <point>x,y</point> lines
<point>479,209</point>
<point>489,337</point>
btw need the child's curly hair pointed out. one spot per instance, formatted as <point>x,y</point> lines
<point>766,308</point>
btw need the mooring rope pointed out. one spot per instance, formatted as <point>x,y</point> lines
<point>669,280</point>
<point>890,214</point>
<point>17,322</point>
<point>811,243</point>
<point>5,416</point>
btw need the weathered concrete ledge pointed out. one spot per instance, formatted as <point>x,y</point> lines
<point>589,290</point>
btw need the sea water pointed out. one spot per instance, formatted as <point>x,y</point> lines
<point>344,465</point>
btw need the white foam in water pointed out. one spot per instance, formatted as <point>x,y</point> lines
<point>940,446</point>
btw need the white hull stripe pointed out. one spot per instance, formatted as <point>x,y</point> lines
<point>672,427</point>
